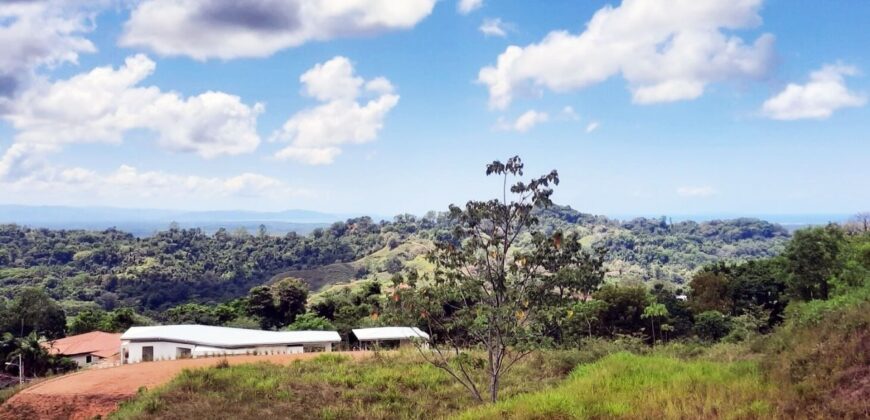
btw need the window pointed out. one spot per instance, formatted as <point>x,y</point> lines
<point>88,359</point>
<point>182,353</point>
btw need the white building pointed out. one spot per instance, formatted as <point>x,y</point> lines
<point>390,337</point>
<point>169,342</point>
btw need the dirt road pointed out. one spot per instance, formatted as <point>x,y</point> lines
<point>85,394</point>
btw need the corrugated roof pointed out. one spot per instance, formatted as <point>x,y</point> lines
<point>98,343</point>
<point>389,333</point>
<point>226,337</point>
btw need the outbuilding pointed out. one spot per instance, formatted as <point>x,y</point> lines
<point>169,342</point>
<point>87,349</point>
<point>390,337</point>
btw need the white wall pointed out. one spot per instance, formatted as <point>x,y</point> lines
<point>164,350</point>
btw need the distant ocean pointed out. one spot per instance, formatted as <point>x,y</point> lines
<point>787,220</point>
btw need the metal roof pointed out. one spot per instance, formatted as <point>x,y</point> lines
<point>98,343</point>
<point>389,333</point>
<point>226,337</point>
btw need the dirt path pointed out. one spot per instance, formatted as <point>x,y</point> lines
<point>85,394</point>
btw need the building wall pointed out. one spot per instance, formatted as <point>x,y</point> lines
<point>81,360</point>
<point>164,350</point>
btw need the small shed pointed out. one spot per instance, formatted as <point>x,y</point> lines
<point>87,349</point>
<point>169,342</point>
<point>390,337</point>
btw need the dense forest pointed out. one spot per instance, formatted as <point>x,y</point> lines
<point>109,269</point>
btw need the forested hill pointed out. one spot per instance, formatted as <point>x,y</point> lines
<point>112,268</point>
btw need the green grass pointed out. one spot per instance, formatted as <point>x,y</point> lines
<point>386,386</point>
<point>624,385</point>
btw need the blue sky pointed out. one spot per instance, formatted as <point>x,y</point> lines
<point>738,107</point>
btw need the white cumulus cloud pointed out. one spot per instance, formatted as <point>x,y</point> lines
<point>493,27</point>
<point>352,111</point>
<point>467,6</point>
<point>224,29</point>
<point>524,122</point>
<point>105,103</point>
<point>41,33</point>
<point>666,50</point>
<point>825,93</point>
<point>696,191</point>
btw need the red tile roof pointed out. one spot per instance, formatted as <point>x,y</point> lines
<point>98,343</point>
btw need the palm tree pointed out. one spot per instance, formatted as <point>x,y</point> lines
<point>653,312</point>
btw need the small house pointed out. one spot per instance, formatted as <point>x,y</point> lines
<point>390,337</point>
<point>87,349</point>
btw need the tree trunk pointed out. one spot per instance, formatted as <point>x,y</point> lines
<point>493,387</point>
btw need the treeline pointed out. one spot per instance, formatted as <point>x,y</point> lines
<point>111,269</point>
<point>115,269</point>
<point>723,301</point>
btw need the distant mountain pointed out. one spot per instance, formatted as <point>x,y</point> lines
<point>144,222</point>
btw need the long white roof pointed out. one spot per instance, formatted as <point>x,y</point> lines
<point>226,337</point>
<point>389,333</point>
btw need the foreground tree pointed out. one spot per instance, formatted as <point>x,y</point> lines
<point>813,260</point>
<point>487,293</point>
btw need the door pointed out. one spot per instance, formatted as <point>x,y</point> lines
<point>147,353</point>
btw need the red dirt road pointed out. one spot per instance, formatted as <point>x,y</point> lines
<point>85,394</point>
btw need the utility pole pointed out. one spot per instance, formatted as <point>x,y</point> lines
<point>20,366</point>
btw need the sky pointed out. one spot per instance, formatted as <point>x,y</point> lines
<point>376,106</point>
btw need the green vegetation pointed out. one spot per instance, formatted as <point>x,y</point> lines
<point>383,386</point>
<point>630,386</point>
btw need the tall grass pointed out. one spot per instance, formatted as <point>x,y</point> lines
<point>384,386</point>
<point>631,386</point>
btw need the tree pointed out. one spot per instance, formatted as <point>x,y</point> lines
<point>709,292</point>
<point>120,320</point>
<point>653,312</point>
<point>261,304</point>
<point>291,295</point>
<point>624,307</point>
<point>87,320</point>
<point>310,322</point>
<point>712,325</point>
<point>813,261</point>
<point>587,313</point>
<point>33,311</point>
<point>487,289</point>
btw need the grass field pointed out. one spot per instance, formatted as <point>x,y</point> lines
<point>624,385</point>
<point>385,386</point>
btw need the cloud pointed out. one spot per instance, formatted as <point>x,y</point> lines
<point>317,134</point>
<point>524,122</point>
<point>696,191</point>
<point>128,182</point>
<point>204,29</point>
<point>569,114</point>
<point>467,6</point>
<point>668,50</point>
<point>592,126</point>
<point>493,27</point>
<point>825,93</point>
<point>102,105</point>
<point>41,33</point>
